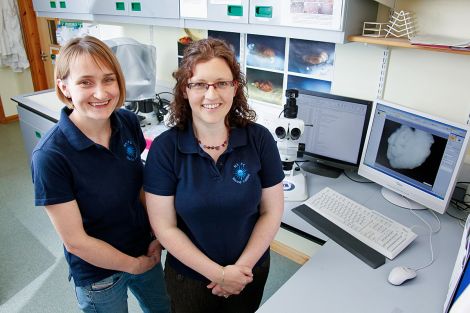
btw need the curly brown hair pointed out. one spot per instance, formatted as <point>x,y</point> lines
<point>202,51</point>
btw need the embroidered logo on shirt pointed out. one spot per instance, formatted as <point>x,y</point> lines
<point>240,173</point>
<point>131,151</point>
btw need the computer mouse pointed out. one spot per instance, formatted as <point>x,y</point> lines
<point>398,275</point>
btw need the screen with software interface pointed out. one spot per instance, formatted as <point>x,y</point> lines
<point>338,125</point>
<point>418,151</point>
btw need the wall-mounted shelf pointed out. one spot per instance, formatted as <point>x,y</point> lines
<point>401,43</point>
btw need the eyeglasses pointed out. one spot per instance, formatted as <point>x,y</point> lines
<point>203,87</point>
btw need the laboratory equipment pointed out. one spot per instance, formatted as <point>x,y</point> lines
<point>288,131</point>
<point>138,63</point>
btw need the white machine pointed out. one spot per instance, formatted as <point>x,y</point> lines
<point>138,63</point>
<point>288,131</point>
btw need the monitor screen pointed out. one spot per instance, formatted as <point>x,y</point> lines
<point>335,138</point>
<point>415,155</point>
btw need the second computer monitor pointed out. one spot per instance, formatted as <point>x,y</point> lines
<point>336,136</point>
<point>415,156</point>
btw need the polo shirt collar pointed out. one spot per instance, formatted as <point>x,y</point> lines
<point>187,142</point>
<point>74,135</point>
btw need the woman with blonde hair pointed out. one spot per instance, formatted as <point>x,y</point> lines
<point>88,174</point>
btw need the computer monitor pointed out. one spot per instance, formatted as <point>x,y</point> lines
<point>334,140</point>
<point>416,157</point>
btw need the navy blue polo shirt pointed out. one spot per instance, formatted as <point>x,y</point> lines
<point>217,204</point>
<point>66,165</point>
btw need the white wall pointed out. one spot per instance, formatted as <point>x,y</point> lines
<point>431,82</point>
<point>12,84</point>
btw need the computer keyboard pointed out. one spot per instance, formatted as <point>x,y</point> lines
<point>379,232</point>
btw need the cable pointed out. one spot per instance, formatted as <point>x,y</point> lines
<point>161,106</point>
<point>431,232</point>
<point>281,113</point>
<point>460,220</point>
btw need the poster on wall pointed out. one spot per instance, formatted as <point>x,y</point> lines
<point>186,37</point>
<point>264,86</point>
<point>320,14</point>
<point>312,84</point>
<point>312,58</point>
<point>265,52</point>
<point>232,39</point>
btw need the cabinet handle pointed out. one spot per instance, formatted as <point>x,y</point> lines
<point>120,6</point>
<point>135,6</point>
<point>262,11</point>
<point>234,10</point>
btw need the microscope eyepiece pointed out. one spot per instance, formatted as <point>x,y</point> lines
<point>295,133</point>
<point>280,132</point>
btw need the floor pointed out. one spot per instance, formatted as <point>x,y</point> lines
<point>33,270</point>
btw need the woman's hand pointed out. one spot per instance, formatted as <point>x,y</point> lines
<point>146,262</point>
<point>143,263</point>
<point>234,280</point>
<point>155,249</point>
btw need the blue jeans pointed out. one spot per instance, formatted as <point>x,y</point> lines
<point>110,294</point>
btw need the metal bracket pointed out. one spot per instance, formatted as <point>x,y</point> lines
<point>383,72</point>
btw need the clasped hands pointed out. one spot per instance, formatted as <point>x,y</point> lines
<point>234,280</point>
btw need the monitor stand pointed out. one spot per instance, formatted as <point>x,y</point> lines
<point>321,169</point>
<point>401,201</point>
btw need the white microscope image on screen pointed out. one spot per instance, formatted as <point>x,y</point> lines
<point>408,148</point>
<point>411,152</point>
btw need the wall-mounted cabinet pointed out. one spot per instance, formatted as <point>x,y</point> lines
<point>62,6</point>
<point>330,21</point>
<point>232,12</point>
<point>144,8</point>
<point>327,20</point>
<point>326,15</point>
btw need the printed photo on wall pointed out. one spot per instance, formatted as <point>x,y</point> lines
<point>312,57</point>
<point>264,86</point>
<point>232,39</point>
<point>187,36</point>
<point>319,14</point>
<point>265,52</point>
<point>298,82</point>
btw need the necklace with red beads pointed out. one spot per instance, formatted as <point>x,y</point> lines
<point>218,147</point>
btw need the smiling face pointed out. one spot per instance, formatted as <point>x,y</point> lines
<point>92,88</point>
<point>210,107</point>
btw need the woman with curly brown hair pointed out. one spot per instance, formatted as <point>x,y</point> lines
<point>213,186</point>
